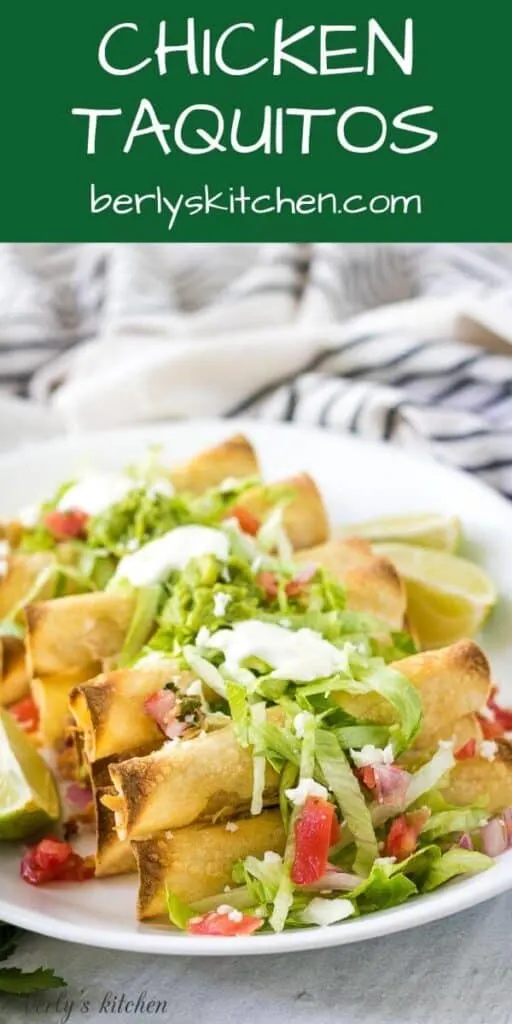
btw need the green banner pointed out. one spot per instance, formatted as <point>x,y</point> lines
<point>194,121</point>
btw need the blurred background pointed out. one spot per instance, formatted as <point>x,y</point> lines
<point>409,343</point>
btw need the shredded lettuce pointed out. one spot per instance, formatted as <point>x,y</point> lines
<point>284,898</point>
<point>341,781</point>
<point>287,781</point>
<point>179,912</point>
<point>427,777</point>
<point>422,782</point>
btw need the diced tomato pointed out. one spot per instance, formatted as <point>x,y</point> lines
<point>491,729</point>
<point>26,714</point>
<point>222,924</point>
<point>53,860</point>
<point>268,583</point>
<point>467,750</point>
<point>246,520</point>
<point>313,830</point>
<point>66,525</point>
<point>162,707</point>
<point>367,776</point>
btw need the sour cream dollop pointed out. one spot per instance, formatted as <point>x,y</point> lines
<point>153,562</point>
<point>298,656</point>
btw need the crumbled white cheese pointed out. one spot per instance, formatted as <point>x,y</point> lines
<point>271,857</point>
<point>384,860</point>
<point>195,689</point>
<point>372,755</point>
<point>488,749</point>
<point>229,484</point>
<point>190,719</point>
<point>203,636</point>
<point>301,657</point>
<point>94,493</point>
<point>29,516</point>
<point>236,916</point>
<point>133,544</point>
<point>299,722</point>
<point>227,888</point>
<point>325,912</point>
<point>486,713</point>
<point>153,562</point>
<point>231,826</point>
<point>220,603</point>
<point>306,787</point>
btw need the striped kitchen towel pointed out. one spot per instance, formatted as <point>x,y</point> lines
<point>407,343</point>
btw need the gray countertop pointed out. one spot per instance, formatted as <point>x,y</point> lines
<point>457,971</point>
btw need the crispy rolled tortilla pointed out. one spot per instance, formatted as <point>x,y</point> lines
<point>51,696</point>
<point>232,458</point>
<point>478,779</point>
<point>372,583</point>
<point>113,856</point>
<point>23,570</point>
<point>96,713</point>
<point>77,632</point>
<point>452,682</point>
<point>180,783</point>
<point>109,710</point>
<point>14,675</point>
<point>204,778</point>
<point>198,861</point>
<point>304,517</point>
<point>11,530</point>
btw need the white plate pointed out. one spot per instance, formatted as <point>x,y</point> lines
<point>358,480</point>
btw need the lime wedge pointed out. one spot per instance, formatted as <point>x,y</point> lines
<point>448,598</point>
<point>428,530</point>
<point>29,799</point>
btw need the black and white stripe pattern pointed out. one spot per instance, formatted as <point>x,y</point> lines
<point>383,358</point>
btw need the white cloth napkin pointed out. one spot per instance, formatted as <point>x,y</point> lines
<point>409,343</point>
